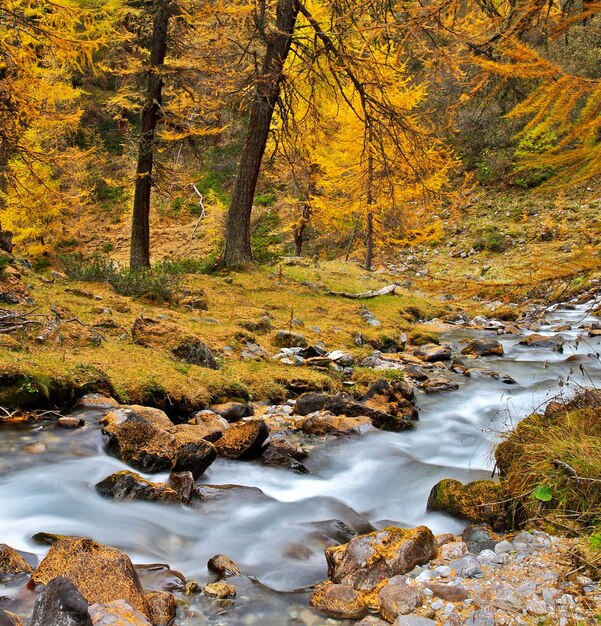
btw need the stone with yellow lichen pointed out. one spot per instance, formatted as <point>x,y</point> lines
<point>9,619</point>
<point>339,601</point>
<point>367,560</point>
<point>243,440</point>
<point>161,606</point>
<point>12,563</point>
<point>117,613</point>
<point>100,573</point>
<point>148,440</point>
<point>220,590</point>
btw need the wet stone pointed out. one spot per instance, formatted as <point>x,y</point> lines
<point>12,564</point>
<point>117,613</point>
<point>183,484</point>
<point>60,604</point>
<point>220,590</point>
<point>222,566</point>
<point>9,619</point>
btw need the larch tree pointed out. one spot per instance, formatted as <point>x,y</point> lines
<point>151,113</point>
<point>277,37</point>
<point>42,46</point>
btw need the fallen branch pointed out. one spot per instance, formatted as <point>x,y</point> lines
<point>571,472</point>
<point>389,289</point>
<point>11,321</point>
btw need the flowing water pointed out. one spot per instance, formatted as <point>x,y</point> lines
<point>276,527</point>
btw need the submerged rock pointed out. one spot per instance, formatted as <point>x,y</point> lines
<point>220,590</point>
<point>126,485</point>
<point>483,347</point>
<point>9,619</point>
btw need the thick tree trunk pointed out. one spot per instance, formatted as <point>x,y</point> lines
<point>151,113</point>
<point>237,233</point>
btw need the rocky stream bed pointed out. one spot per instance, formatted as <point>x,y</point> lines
<point>172,497</point>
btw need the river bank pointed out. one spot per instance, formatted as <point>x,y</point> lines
<point>276,524</point>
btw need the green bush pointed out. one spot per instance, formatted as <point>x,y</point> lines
<point>265,240</point>
<point>4,263</point>
<point>151,284</point>
<point>94,268</point>
<point>206,265</point>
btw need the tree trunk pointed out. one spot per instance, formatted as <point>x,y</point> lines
<point>369,230</point>
<point>237,233</point>
<point>151,113</point>
<point>299,229</point>
<point>369,240</point>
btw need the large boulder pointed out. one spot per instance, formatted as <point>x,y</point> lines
<point>481,501</point>
<point>367,560</point>
<point>396,400</point>
<point>127,485</point>
<point>60,604</point>
<point>100,573</point>
<point>483,347</point>
<point>146,439</point>
<point>140,437</point>
<point>400,418</point>
<point>243,440</point>
<point>310,403</point>
<point>543,341</point>
<point>12,564</point>
<point>162,335</point>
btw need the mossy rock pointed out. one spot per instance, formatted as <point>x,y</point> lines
<point>481,501</point>
<point>367,560</point>
<point>100,573</point>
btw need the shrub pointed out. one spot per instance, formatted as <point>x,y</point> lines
<point>206,265</point>
<point>94,268</point>
<point>4,263</point>
<point>151,284</point>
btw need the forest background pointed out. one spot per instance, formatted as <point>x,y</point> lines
<point>328,128</point>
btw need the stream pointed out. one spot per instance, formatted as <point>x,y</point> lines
<point>277,526</point>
